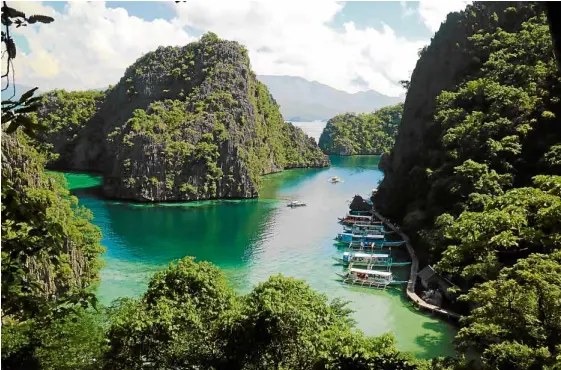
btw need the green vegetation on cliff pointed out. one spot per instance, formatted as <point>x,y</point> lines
<point>64,115</point>
<point>365,133</point>
<point>50,252</point>
<point>49,248</point>
<point>475,178</point>
<point>183,123</point>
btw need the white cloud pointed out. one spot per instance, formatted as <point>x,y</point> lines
<point>434,12</point>
<point>294,38</point>
<point>90,45</point>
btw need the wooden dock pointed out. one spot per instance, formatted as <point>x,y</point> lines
<point>417,301</point>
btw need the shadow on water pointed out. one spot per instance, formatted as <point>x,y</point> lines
<point>431,340</point>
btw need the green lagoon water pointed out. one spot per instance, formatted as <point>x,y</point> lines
<point>253,239</point>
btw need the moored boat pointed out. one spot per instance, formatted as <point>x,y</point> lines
<point>296,203</point>
<point>366,229</point>
<point>361,246</point>
<point>348,238</point>
<point>360,213</point>
<point>369,278</point>
<point>368,260</point>
<point>353,219</point>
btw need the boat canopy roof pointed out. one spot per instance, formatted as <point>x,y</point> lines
<point>372,272</point>
<point>375,236</point>
<point>359,216</point>
<point>366,255</point>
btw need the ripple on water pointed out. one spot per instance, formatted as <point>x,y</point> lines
<point>254,239</point>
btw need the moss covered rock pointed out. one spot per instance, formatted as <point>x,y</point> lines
<point>366,133</point>
<point>49,247</point>
<point>189,123</point>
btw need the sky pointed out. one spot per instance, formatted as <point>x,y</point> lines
<point>351,46</point>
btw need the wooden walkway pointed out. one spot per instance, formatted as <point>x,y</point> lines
<point>417,301</point>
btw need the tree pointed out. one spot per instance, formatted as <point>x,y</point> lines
<point>189,317</point>
<point>515,319</point>
<point>72,341</point>
<point>366,133</point>
<point>172,325</point>
<point>510,226</point>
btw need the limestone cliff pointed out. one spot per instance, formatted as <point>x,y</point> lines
<point>447,61</point>
<point>365,133</point>
<point>49,247</point>
<point>189,123</point>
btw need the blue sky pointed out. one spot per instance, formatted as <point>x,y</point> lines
<point>351,46</point>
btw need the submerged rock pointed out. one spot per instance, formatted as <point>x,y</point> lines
<point>189,123</point>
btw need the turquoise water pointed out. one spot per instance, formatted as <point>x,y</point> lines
<point>253,239</point>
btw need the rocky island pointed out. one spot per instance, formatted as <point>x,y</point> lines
<point>183,123</point>
<point>365,133</point>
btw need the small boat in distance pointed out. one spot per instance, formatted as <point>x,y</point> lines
<point>296,203</point>
<point>335,179</point>
<point>369,278</point>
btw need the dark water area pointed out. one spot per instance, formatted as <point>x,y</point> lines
<point>254,239</point>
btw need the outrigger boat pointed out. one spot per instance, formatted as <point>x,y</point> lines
<point>296,203</point>
<point>348,238</point>
<point>353,219</point>
<point>374,229</point>
<point>370,278</point>
<point>361,246</point>
<point>360,213</point>
<point>368,260</point>
<point>365,226</point>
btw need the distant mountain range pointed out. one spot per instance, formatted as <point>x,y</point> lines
<point>301,100</point>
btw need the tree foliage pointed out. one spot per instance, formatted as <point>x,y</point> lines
<point>365,133</point>
<point>484,193</point>
<point>62,115</point>
<point>49,247</point>
<point>515,319</point>
<point>189,317</point>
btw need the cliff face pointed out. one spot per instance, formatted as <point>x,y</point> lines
<point>190,123</point>
<point>49,247</point>
<point>366,133</point>
<point>64,115</point>
<point>447,61</point>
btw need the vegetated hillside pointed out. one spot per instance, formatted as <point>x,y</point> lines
<point>50,249</point>
<point>474,177</point>
<point>64,115</point>
<point>366,133</point>
<point>301,100</point>
<point>183,123</point>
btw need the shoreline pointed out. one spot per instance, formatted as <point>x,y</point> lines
<point>417,301</point>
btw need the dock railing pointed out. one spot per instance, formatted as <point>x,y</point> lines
<point>417,301</point>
